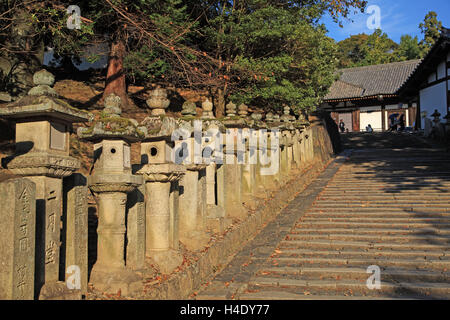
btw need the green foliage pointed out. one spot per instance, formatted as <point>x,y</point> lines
<point>145,64</point>
<point>267,53</point>
<point>408,49</point>
<point>278,53</point>
<point>350,50</point>
<point>378,49</point>
<point>431,27</point>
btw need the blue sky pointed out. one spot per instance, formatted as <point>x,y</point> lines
<point>398,17</point>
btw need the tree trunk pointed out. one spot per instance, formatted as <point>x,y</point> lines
<point>220,103</point>
<point>115,77</point>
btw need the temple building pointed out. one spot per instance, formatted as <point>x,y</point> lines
<point>370,94</point>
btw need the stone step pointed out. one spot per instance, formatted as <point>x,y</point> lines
<point>360,287</point>
<point>333,273</point>
<point>428,264</point>
<point>378,210</point>
<point>443,240</point>
<point>283,295</point>
<point>358,254</point>
<point>378,192</point>
<point>355,187</point>
<point>385,202</point>
<point>394,215</point>
<point>383,206</point>
<point>361,244</point>
<point>389,176</point>
<point>387,219</point>
<point>372,231</point>
<point>383,197</point>
<point>378,225</point>
<point>399,182</point>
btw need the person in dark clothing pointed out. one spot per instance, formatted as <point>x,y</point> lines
<point>342,126</point>
<point>394,123</point>
<point>401,122</point>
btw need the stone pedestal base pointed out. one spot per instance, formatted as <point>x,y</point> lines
<point>216,221</point>
<point>112,280</point>
<point>167,260</point>
<point>58,291</point>
<point>251,202</point>
<point>195,240</point>
<point>235,211</point>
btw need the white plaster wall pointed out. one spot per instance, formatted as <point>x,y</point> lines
<point>433,98</point>
<point>373,118</point>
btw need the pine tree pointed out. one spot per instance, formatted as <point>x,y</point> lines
<point>431,27</point>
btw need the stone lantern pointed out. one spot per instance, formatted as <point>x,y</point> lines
<point>256,116</point>
<point>110,182</point>
<point>243,110</point>
<point>43,124</point>
<point>189,108</point>
<point>269,117</point>
<point>436,115</point>
<point>158,102</point>
<point>207,107</point>
<point>230,109</point>
<point>161,202</point>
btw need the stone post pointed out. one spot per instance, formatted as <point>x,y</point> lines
<point>269,177</point>
<point>17,239</point>
<point>135,259</point>
<point>296,150</point>
<point>216,221</point>
<point>76,227</point>
<point>160,237</point>
<point>43,123</point>
<point>249,169</point>
<point>233,178</point>
<point>192,213</point>
<point>284,157</point>
<point>259,188</point>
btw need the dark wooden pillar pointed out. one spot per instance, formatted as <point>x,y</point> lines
<point>418,116</point>
<point>355,120</point>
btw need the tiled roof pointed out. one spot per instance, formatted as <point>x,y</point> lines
<point>371,80</point>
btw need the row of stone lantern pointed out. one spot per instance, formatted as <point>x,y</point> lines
<point>146,210</point>
<point>187,201</point>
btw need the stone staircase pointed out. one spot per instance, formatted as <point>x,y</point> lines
<point>389,208</point>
